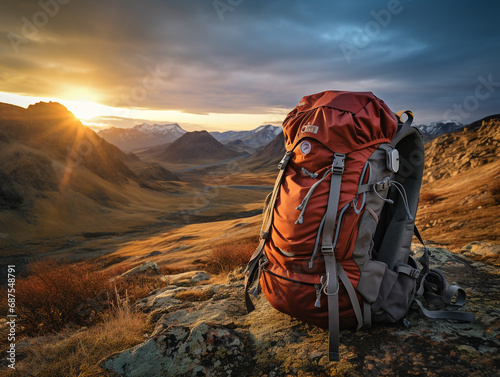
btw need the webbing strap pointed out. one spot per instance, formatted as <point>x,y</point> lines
<point>252,267</point>
<point>367,314</point>
<point>330,261</point>
<point>352,295</point>
<point>266,225</point>
<point>442,314</point>
<point>404,129</point>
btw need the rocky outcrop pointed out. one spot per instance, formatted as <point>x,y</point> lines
<point>204,330</point>
<point>148,268</point>
<point>475,145</point>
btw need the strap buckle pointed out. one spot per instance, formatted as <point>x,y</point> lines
<point>284,161</point>
<point>327,249</point>
<point>338,163</point>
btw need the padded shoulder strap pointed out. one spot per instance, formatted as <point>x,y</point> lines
<point>251,270</point>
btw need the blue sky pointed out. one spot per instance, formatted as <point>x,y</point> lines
<point>234,64</point>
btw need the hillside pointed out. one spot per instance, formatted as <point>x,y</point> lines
<point>142,136</point>
<point>58,176</point>
<point>268,157</point>
<point>196,147</point>
<point>460,196</point>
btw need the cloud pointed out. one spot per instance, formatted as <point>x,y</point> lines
<point>262,56</point>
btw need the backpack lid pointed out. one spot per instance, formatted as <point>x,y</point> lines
<point>352,102</point>
<point>343,121</point>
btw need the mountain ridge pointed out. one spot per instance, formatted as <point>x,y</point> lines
<point>142,136</point>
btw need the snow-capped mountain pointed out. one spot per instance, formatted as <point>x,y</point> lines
<point>435,129</point>
<point>256,138</point>
<point>142,136</point>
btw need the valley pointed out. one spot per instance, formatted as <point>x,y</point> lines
<point>67,193</point>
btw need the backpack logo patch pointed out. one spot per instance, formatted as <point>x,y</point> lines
<point>309,128</point>
<point>305,147</point>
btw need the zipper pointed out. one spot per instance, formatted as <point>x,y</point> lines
<point>288,279</point>
<point>318,287</point>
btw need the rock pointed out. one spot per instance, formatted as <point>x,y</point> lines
<point>148,268</point>
<point>483,251</point>
<point>187,278</point>
<point>216,337</point>
<point>205,350</point>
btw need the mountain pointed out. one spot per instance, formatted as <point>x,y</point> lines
<point>256,138</point>
<point>460,196</point>
<point>435,129</point>
<point>268,157</point>
<point>57,174</point>
<point>240,146</point>
<point>142,136</point>
<point>196,146</point>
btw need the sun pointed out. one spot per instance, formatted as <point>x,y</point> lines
<point>85,110</point>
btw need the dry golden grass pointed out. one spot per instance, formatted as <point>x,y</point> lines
<point>54,292</point>
<point>456,211</point>
<point>226,257</point>
<point>72,354</point>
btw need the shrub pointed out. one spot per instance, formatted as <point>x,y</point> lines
<point>78,354</point>
<point>226,257</point>
<point>139,286</point>
<point>54,293</point>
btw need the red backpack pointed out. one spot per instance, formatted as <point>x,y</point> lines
<point>337,228</point>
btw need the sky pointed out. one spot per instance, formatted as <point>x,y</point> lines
<point>237,64</point>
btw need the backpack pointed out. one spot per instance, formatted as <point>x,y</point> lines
<point>335,241</point>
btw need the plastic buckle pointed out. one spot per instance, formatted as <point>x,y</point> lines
<point>338,163</point>
<point>414,273</point>
<point>284,161</point>
<point>327,250</point>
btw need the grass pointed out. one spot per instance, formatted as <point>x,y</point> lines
<point>226,257</point>
<point>72,354</point>
<point>56,294</point>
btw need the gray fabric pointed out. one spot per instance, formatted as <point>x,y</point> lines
<point>395,296</point>
<point>364,243</point>
<point>371,280</point>
<point>367,314</point>
<point>395,242</point>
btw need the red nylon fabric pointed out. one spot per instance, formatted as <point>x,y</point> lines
<point>321,125</point>
<point>345,121</point>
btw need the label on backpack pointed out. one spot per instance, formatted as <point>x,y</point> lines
<point>305,147</point>
<point>309,128</point>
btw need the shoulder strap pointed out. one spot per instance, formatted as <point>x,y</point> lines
<point>404,128</point>
<point>251,269</point>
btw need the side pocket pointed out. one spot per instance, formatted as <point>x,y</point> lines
<point>364,241</point>
<point>370,280</point>
<point>394,298</point>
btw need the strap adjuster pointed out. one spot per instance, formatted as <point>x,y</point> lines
<point>284,161</point>
<point>327,249</point>
<point>338,163</point>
